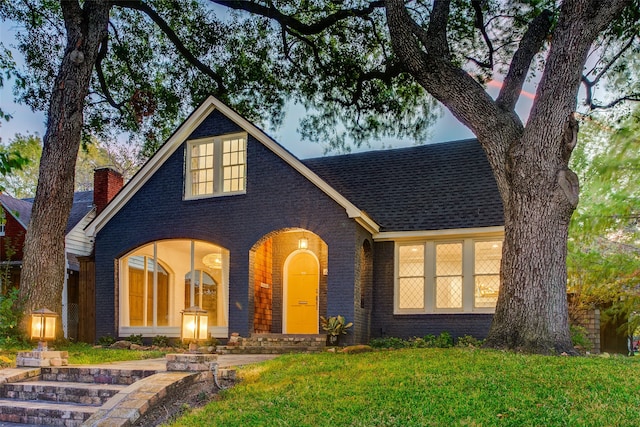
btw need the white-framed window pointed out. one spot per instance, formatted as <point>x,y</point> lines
<point>448,276</point>
<point>160,279</point>
<point>216,166</point>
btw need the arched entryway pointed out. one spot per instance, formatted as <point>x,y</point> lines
<point>301,285</point>
<point>272,260</point>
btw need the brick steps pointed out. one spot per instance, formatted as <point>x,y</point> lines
<point>63,396</point>
<point>44,413</point>
<point>58,391</point>
<point>274,344</point>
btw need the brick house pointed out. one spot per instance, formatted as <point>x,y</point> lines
<point>402,242</point>
<point>14,220</point>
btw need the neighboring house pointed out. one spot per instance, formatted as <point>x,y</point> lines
<point>15,215</point>
<point>402,242</point>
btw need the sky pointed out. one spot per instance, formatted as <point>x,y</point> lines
<point>448,128</point>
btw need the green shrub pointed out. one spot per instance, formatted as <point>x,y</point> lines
<point>135,339</point>
<point>160,341</point>
<point>579,337</point>
<point>106,340</point>
<point>468,341</point>
<point>444,340</point>
<point>10,315</point>
<point>388,342</point>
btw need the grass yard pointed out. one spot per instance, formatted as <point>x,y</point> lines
<point>429,387</point>
<point>81,353</point>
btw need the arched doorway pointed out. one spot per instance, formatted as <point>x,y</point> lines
<point>301,273</point>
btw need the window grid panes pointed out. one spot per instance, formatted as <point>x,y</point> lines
<point>216,166</point>
<point>202,158</point>
<point>233,164</point>
<point>487,256</point>
<point>411,277</point>
<point>449,275</point>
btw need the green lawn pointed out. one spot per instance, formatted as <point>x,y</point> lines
<point>81,353</point>
<point>430,387</point>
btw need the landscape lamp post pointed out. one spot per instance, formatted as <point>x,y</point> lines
<point>43,327</point>
<point>194,326</point>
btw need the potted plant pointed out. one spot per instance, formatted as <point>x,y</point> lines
<point>335,326</point>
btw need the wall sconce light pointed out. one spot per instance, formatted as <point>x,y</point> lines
<point>303,243</point>
<point>194,326</point>
<point>43,327</point>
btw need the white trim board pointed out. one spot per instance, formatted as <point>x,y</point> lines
<point>395,236</point>
<point>182,133</point>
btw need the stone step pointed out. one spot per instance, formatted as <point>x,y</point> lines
<point>60,391</point>
<point>38,412</point>
<point>94,375</point>
<point>267,349</point>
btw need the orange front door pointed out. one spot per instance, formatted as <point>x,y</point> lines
<point>302,294</point>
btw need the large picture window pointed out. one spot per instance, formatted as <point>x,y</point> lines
<point>216,166</point>
<point>160,279</point>
<point>458,276</point>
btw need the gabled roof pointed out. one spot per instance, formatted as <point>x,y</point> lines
<point>21,208</point>
<point>428,187</point>
<point>182,133</point>
<point>82,204</point>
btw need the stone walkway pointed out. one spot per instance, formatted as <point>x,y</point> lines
<point>132,402</point>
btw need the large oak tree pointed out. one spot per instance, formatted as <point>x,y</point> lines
<point>374,68</point>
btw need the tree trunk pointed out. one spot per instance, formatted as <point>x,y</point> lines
<point>43,271</point>
<point>531,313</point>
<point>530,163</point>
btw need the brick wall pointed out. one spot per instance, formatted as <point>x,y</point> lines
<point>277,198</point>
<point>106,184</point>
<point>363,290</point>
<point>263,287</point>
<point>590,320</point>
<point>13,239</point>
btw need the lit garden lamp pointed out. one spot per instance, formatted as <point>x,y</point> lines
<point>194,326</point>
<point>43,327</point>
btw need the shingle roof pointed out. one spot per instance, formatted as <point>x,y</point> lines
<point>427,187</point>
<point>82,204</point>
<point>21,209</point>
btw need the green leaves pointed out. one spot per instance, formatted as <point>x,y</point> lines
<point>604,238</point>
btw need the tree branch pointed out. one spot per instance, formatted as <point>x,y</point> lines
<point>164,26</point>
<point>634,97</point>
<point>529,46</point>
<point>295,24</point>
<point>590,84</point>
<point>479,24</point>
<point>102,53</point>
<point>437,43</point>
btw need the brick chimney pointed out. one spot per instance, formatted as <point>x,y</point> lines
<point>106,184</point>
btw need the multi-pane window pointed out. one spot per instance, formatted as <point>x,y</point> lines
<point>233,164</point>
<point>487,272</point>
<point>449,276</point>
<point>216,166</point>
<point>202,168</point>
<point>411,277</point>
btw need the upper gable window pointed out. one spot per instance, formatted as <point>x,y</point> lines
<point>216,166</point>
